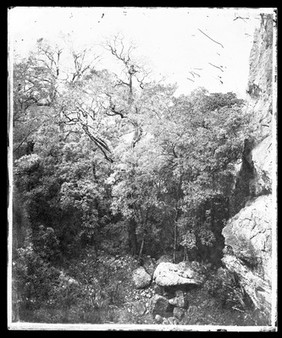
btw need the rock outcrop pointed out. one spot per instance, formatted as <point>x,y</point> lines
<point>262,159</point>
<point>248,233</point>
<point>169,274</point>
<point>260,78</point>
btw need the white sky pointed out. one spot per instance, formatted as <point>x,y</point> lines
<point>167,38</point>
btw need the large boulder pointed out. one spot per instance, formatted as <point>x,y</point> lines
<point>141,278</point>
<point>248,237</point>
<point>248,233</point>
<point>169,274</point>
<point>159,305</point>
<point>256,287</point>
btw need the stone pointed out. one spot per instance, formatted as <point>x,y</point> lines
<point>158,290</point>
<point>158,319</point>
<point>256,287</point>
<point>172,321</point>
<point>190,317</point>
<point>159,305</point>
<point>141,278</point>
<point>192,310</point>
<point>249,236</point>
<point>165,321</point>
<point>67,279</point>
<point>179,300</point>
<point>138,308</point>
<point>178,312</point>
<point>169,274</point>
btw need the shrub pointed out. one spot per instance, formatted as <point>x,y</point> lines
<point>224,286</point>
<point>34,280</point>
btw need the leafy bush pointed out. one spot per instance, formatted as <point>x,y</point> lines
<point>34,279</point>
<point>45,294</point>
<point>46,244</point>
<point>224,286</point>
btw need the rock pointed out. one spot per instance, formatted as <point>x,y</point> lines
<point>163,259</point>
<point>165,321</point>
<point>67,279</point>
<point>172,321</point>
<point>159,305</point>
<point>256,287</point>
<point>169,274</point>
<point>190,316</point>
<point>260,83</point>
<point>249,236</point>
<point>192,310</point>
<point>141,278</point>
<point>179,300</point>
<point>158,319</point>
<point>249,232</point>
<point>138,308</point>
<point>158,290</point>
<point>262,160</point>
<point>178,313</point>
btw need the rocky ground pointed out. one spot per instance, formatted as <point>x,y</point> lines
<point>140,297</point>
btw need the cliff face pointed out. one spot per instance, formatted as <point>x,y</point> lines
<point>260,78</point>
<point>248,234</point>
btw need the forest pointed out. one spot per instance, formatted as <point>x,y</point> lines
<point>112,171</point>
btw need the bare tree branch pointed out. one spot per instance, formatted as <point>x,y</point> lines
<point>113,107</point>
<point>100,143</point>
<point>217,67</point>
<point>239,17</point>
<point>210,38</point>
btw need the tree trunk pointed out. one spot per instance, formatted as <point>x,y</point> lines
<point>141,248</point>
<point>132,239</point>
<point>130,97</point>
<point>175,243</point>
<point>185,258</point>
<point>175,235</point>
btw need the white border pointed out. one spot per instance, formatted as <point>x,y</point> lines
<point>274,180</point>
<point>142,327</point>
<point>10,171</point>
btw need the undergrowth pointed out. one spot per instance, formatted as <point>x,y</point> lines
<point>99,289</point>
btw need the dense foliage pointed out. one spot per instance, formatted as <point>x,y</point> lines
<point>114,163</point>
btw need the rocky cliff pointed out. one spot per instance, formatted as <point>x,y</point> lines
<point>248,234</point>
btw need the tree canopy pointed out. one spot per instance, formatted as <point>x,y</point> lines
<point>118,162</point>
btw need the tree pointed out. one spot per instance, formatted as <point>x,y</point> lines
<point>205,139</point>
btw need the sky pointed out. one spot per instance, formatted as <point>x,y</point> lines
<point>175,42</point>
